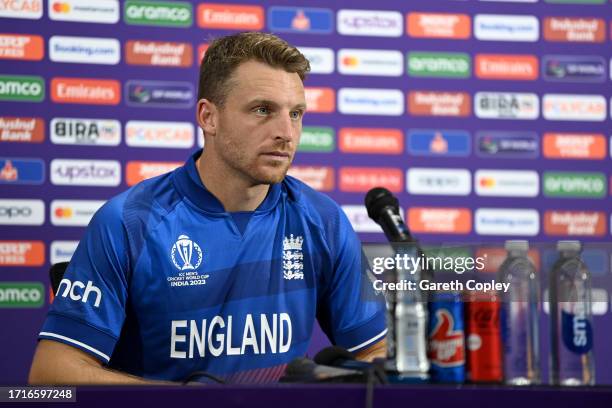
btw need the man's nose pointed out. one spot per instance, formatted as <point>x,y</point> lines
<point>285,128</point>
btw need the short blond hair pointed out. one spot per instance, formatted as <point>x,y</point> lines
<point>225,54</point>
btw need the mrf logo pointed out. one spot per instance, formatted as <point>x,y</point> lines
<point>446,345</point>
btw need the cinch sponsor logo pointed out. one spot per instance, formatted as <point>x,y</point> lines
<point>570,68</point>
<point>28,130</point>
<point>439,65</point>
<point>21,171</point>
<point>507,183</point>
<point>371,141</point>
<point>578,185</point>
<point>159,53</point>
<point>511,67</point>
<point>137,171</point>
<point>362,179</point>
<point>507,144</point>
<point>320,178</point>
<point>22,212</point>
<point>317,139</point>
<point>74,131</point>
<point>158,13</point>
<point>434,181</point>
<point>574,146</point>
<point>22,47</point>
<point>359,219</point>
<point>303,20</point>
<point>426,142</point>
<point>369,101</point>
<point>22,88</point>
<point>62,251</point>
<point>68,172</point>
<point>101,11</point>
<point>574,29</point>
<point>159,94</point>
<point>84,50</point>
<point>439,25</point>
<point>374,23</point>
<point>370,62</point>
<point>590,108</point>
<point>30,9</point>
<point>73,213</point>
<point>495,257</point>
<point>77,290</point>
<point>85,91</point>
<point>498,27</point>
<point>320,100</point>
<point>507,105</point>
<point>230,16</point>
<point>22,253</point>
<point>507,221</point>
<point>440,220</point>
<point>321,59</point>
<point>430,103</point>
<point>587,223</point>
<point>21,295</point>
<point>179,135</point>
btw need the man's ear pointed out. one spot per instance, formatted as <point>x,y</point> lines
<point>207,117</point>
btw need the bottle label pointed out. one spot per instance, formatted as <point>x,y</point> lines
<point>577,332</point>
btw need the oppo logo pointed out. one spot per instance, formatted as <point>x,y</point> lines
<point>11,212</point>
<point>71,287</point>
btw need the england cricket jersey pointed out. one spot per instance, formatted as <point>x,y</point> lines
<point>165,284</point>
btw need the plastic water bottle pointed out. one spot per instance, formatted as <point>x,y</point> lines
<point>571,323</point>
<point>519,317</point>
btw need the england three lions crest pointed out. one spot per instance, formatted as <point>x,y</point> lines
<point>293,258</point>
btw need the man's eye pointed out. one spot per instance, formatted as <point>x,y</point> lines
<point>296,114</point>
<point>262,110</point>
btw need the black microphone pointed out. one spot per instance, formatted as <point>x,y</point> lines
<point>303,370</point>
<point>383,208</point>
<point>339,357</point>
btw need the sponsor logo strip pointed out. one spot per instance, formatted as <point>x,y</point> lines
<point>21,295</point>
<point>506,105</point>
<point>507,183</point>
<point>365,140</point>
<point>434,181</point>
<point>19,88</point>
<point>85,11</point>
<point>375,23</point>
<point>73,213</point>
<point>21,171</point>
<point>178,135</point>
<point>578,185</point>
<point>321,59</point>
<point>26,9</point>
<point>78,131</point>
<point>440,220</point>
<point>425,142</point>
<point>439,25</point>
<point>317,139</point>
<point>22,212</point>
<point>360,101</point>
<point>573,68</point>
<point>22,253</point>
<point>159,94</point>
<point>439,64</point>
<point>320,100</point>
<point>566,107</point>
<point>499,27</point>
<point>568,29</point>
<point>158,13</point>
<point>86,91</point>
<point>303,20</point>
<point>85,172</point>
<point>507,144</point>
<point>585,146</point>
<point>84,50</point>
<point>320,178</point>
<point>158,53</point>
<point>575,223</point>
<point>507,221</point>
<point>431,103</point>
<point>362,179</point>
<point>359,219</point>
<point>62,251</point>
<point>22,47</point>
<point>230,16</point>
<point>370,62</point>
<point>26,130</point>
<point>137,171</point>
<point>511,67</point>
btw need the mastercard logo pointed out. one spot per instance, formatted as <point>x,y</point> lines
<point>65,212</point>
<point>61,7</point>
<point>487,182</point>
<point>350,61</point>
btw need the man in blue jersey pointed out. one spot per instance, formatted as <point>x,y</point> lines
<point>223,265</point>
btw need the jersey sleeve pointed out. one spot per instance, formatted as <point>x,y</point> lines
<point>352,313</point>
<point>89,307</point>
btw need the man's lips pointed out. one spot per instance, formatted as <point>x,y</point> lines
<point>278,154</point>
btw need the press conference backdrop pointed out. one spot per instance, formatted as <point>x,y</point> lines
<point>488,119</point>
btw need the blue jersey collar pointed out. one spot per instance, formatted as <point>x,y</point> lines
<point>189,183</point>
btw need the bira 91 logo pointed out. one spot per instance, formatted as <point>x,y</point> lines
<point>158,13</point>
<point>507,105</point>
<point>303,20</point>
<point>22,88</point>
<point>75,131</point>
<point>446,343</point>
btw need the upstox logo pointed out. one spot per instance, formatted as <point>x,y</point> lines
<point>22,88</point>
<point>21,295</point>
<point>158,13</point>
<point>579,185</point>
<point>439,64</point>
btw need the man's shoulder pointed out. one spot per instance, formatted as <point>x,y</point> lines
<point>312,200</point>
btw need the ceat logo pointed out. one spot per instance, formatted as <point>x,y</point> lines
<point>446,345</point>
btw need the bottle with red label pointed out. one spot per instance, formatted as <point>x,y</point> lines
<point>446,348</point>
<point>483,334</point>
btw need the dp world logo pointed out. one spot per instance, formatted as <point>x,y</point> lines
<point>183,254</point>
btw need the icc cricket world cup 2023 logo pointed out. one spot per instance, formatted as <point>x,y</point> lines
<point>185,248</point>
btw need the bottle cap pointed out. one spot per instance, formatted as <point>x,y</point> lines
<point>517,245</point>
<point>569,246</point>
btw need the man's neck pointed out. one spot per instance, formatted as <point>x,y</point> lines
<point>234,193</point>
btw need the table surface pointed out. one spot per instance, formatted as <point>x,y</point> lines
<point>342,395</point>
